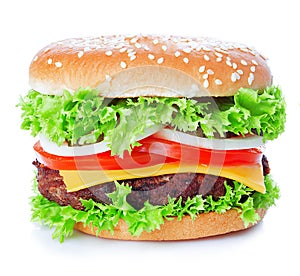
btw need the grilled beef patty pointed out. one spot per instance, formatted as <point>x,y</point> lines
<point>155,189</point>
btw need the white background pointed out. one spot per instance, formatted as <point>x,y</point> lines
<point>272,27</point>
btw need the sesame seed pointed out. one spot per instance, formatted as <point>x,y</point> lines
<point>164,48</point>
<point>254,62</point>
<point>235,76</point>
<point>244,62</point>
<point>228,62</point>
<point>185,60</point>
<point>35,58</point>
<point>218,82</point>
<point>134,40</point>
<point>155,41</point>
<point>210,72</point>
<point>234,65</point>
<point>240,72</point>
<point>244,50</point>
<point>193,44</point>
<point>205,76</point>
<point>202,69</point>
<point>133,57</point>
<point>251,78</point>
<point>160,60</point>
<point>58,64</point>
<point>218,59</point>
<point>252,68</point>
<point>122,50</point>
<point>206,49</point>
<point>206,84</point>
<point>123,64</point>
<point>80,54</point>
<point>206,57</point>
<point>49,61</point>
<point>108,53</point>
<point>187,50</point>
<point>108,77</point>
<point>138,45</point>
<point>218,54</point>
<point>221,50</point>
<point>177,54</point>
<point>131,53</point>
<point>146,48</point>
<point>150,56</point>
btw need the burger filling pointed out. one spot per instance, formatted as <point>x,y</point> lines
<point>117,127</point>
<point>156,189</point>
<point>86,118</point>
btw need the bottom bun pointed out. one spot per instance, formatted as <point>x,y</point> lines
<point>204,225</point>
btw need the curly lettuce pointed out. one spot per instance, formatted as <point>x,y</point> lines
<point>105,217</point>
<point>85,118</point>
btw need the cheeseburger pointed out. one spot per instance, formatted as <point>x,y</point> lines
<point>151,137</point>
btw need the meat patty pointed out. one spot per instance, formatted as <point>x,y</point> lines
<point>155,189</point>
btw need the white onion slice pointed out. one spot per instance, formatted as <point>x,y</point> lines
<point>65,150</point>
<point>235,143</point>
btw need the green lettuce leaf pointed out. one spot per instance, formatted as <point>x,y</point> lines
<point>150,217</point>
<point>263,111</point>
<point>85,118</point>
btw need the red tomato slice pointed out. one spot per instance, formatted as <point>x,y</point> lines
<point>101,161</point>
<point>153,151</point>
<point>195,155</point>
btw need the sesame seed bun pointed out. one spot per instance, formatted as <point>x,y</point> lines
<point>204,225</point>
<point>170,66</point>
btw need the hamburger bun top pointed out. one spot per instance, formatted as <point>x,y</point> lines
<point>131,66</point>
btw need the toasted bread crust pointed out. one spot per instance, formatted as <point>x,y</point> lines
<point>167,66</point>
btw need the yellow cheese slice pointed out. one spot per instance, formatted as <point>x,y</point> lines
<point>251,176</point>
